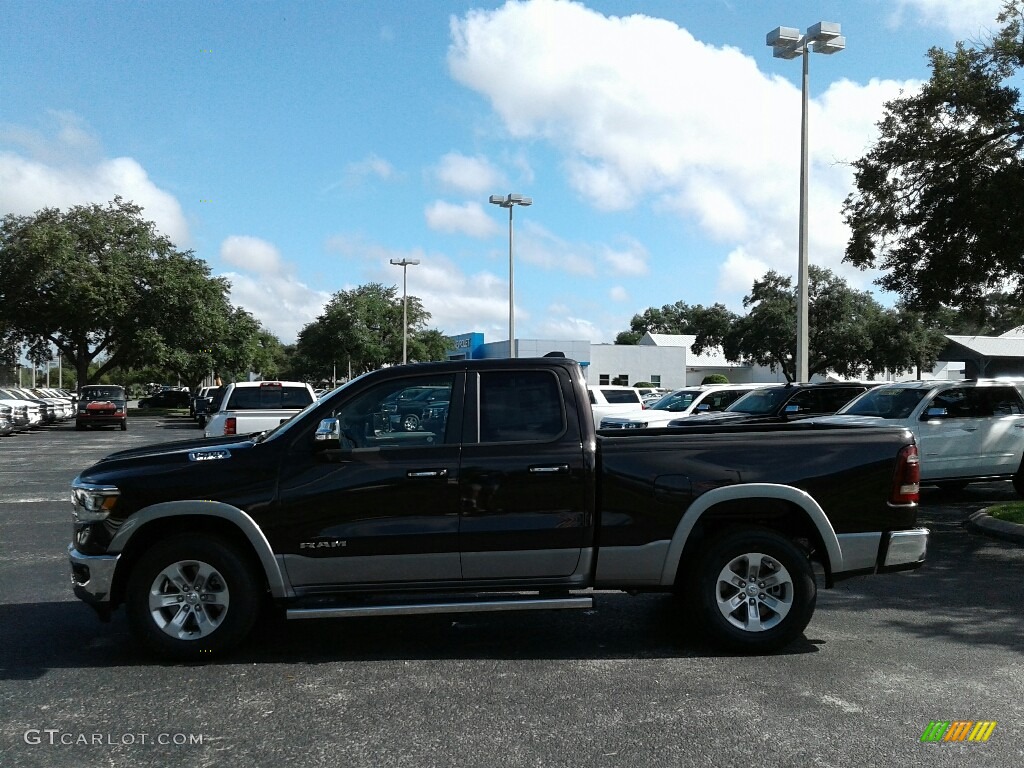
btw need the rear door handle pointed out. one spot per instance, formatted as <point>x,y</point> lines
<point>427,473</point>
<point>549,469</point>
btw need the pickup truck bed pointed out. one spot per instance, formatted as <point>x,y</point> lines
<point>505,499</point>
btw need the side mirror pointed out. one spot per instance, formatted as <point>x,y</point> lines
<point>703,407</point>
<point>792,409</point>
<point>328,434</point>
<point>934,413</point>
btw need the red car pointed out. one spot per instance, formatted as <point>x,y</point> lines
<point>102,405</point>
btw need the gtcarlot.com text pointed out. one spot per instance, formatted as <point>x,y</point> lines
<point>56,737</point>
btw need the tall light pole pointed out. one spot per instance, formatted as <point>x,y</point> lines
<point>510,201</point>
<point>405,264</point>
<point>788,43</point>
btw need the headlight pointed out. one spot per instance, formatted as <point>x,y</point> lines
<point>93,502</point>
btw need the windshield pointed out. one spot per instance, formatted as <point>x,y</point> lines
<point>676,401</point>
<point>102,393</point>
<point>761,401</point>
<point>887,402</point>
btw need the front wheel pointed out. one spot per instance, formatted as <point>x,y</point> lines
<point>1018,482</point>
<point>191,598</point>
<point>754,589</point>
<point>410,422</point>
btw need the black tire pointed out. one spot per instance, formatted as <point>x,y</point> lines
<point>230,582</point>
<point>783,610</point>
<point>410,422</point>
<point>1018,482</point>
<point>79,427</point>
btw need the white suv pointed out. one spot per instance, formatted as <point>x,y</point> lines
<point>965,430</point>
<point>683,402</point>
<point>610,399</point>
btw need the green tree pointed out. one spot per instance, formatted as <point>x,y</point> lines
<point>679,318</point>
<point>843,326</point>
<point>363,327</point>
<point>99,284</point>
<point>938,196</point>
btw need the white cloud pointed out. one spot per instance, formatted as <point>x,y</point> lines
<point>720,150</point>
<point>631,260</point>
<point>468,219</point>
<point>68,169</point>
<point>251,254</point>
<point>268,287</point>
<point>566,328</point>
<point>965,18</point>
<point>471,175</point>
<point>618,294</point>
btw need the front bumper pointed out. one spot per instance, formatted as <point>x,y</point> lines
<point>92,577</point>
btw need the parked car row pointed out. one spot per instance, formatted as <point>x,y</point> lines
<point>965,430</point>
<point>23,408</point>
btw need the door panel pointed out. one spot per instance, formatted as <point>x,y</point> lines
<point>382,508</point>
<point>523,483</point>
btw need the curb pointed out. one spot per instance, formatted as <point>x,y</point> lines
<point>982,522</point>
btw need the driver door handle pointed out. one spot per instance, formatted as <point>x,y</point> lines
<point>427,473</point>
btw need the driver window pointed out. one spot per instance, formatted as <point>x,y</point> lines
<point>405,412</point>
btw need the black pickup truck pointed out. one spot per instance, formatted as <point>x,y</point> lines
<point>507,500</point>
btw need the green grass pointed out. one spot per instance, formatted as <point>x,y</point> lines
<point>1011,513</point>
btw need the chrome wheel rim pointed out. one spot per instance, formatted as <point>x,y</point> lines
<point>754,592</point>
<point>188,600</point>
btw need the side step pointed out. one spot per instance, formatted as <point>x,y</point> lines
<point>448,606</point>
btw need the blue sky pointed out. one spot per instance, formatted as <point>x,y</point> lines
<point>298,147</point>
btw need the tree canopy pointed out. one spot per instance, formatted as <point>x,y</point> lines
<point>850,333</point>
<point>362,327</point>
<point>109,292</point>
<point>938,196</point>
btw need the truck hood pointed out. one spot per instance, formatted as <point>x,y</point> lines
<point>231,442</point>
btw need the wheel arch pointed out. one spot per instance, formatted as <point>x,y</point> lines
<point>159,521</point>
<point>782,508</point>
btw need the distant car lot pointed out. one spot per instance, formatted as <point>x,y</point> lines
<point>625,685</point>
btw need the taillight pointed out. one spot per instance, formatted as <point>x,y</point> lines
<point>906,480</point>
<point>229,425</point>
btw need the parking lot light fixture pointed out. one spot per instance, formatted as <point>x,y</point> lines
<point>787,43</point>
<point>510,201</point>
<point>405,264</point>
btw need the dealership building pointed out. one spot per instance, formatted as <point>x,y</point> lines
<point>668,360</point>
<point>665,360</point>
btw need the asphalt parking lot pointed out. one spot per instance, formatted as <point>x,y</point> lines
<point>626,684</point>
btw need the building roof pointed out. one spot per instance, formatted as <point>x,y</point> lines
<point>985,346</point>
<point>709,358</point>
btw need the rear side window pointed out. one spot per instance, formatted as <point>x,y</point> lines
<point>1004,401</point>
<point>619,396</point>
<point>517,406</point>
<point>269,398</point>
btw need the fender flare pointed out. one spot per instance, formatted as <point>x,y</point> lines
<point>200,508</point>
<point>751,491</point>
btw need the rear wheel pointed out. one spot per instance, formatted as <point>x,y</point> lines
<point>410,422</point>
<point>754,590</point>
<point>192,598</point>
<point>1018,482</point>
